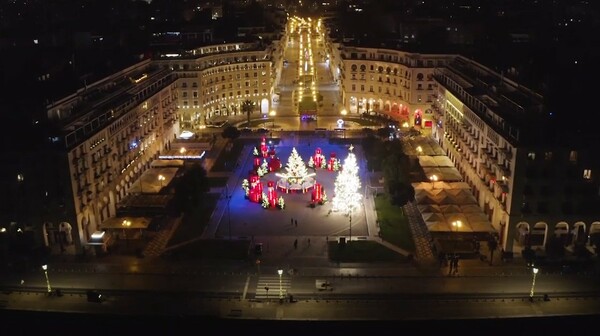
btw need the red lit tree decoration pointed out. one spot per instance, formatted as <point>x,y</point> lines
<point>271,194</point>
<point>255,189</point>
<point>317,193</point>
<point>331,165</point>
<point>263,147</point>
<point>318,158</point>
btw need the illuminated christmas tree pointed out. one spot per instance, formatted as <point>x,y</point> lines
<point>296,169</point>
<point>347,198</point>
<point>311,162</point>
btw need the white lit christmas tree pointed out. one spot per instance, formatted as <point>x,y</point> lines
<point>347,198</point>
<point>296,171</point>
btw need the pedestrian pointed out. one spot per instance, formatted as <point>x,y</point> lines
<point>296,244</point>
<point>309,241</point>
<point>296,222</point>
<point>455,266</point>
<point>291,221</point>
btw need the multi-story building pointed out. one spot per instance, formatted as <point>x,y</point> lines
<point>534,184</point>
<point>385,81</point>
<point>108,133</point>
<point>215,80</point>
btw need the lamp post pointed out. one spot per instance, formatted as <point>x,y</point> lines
<point>280,272</point>
<point>125,224</point>
<point>350,226</point>
<point>45,268</point>
<point>228,211</point>
<point>433,178</point>
<point>273,114</point>
<point>457,224</point>
<point>535,272</point>
<point>161,178</point>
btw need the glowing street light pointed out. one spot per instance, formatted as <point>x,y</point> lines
<point>273,114</point>
<point>161,178</point>
<point>433,179</point>
<point>535,272</point>
<point>419,149</point>
<point>45,268</point>
<point>280,272</point>
<point>126,224</point>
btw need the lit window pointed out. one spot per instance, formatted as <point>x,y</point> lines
<point>548,155</point>
<point>531,156</point>
<point>587,174</point>
<point>573,156</point>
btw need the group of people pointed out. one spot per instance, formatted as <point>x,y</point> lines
<point>451,261</point>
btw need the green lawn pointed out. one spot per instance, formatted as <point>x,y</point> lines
<point>362,251</point>
<point>227,159</point>
<point>217,182</point>
<point>193,223</point>
<point>393,224</point>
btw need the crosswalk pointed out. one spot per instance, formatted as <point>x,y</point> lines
<point>267,287</point>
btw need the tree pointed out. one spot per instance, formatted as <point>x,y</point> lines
<point>347,198</point>
<point>191,187</point>
<point>231,132</point>
<point>296,169</point>
<point>248,108</point>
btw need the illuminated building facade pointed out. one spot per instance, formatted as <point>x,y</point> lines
<point>113,129</point>
<point>535,188</point>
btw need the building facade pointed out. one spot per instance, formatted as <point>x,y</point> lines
<point>111,130</point>
<point>534,189</point>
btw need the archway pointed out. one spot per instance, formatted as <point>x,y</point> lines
<point>418,117</point>
<point>264,106</point>
<point>561,231</point>
<point>539,234</point>
<point>522,233</point>
<point>579,235</point>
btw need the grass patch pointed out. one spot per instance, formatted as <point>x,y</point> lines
<point>222,249</point>
<point>362,251</point>
<point>227,158</point>
<point>393,224</point>
<point>193,223</point>
<point>217,182</point>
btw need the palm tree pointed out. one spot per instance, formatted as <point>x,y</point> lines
<point>247,107</point>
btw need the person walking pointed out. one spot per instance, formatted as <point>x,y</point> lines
<point>296,222</point>
<point>296,244</point>
<point>292,221</point>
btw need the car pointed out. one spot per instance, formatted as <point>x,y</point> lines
<point>246,130</point>
<point>262,130</point>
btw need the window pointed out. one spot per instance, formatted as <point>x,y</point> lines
<point>573,156</point>
<point>587,174</point>
<point>353,87</point>
<point>531,155</point>
<point>548,156</point>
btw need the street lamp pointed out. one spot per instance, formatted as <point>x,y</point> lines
<point>419,149</point>
<point>535,272</point>
<point>228,211</point>
<point>125,224</point>
<point>273,114</point>
<point>457,224</point>
<point>161,178</point>
<point>433,178</point>
<point>45,268</point>
<point>280,272</point>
